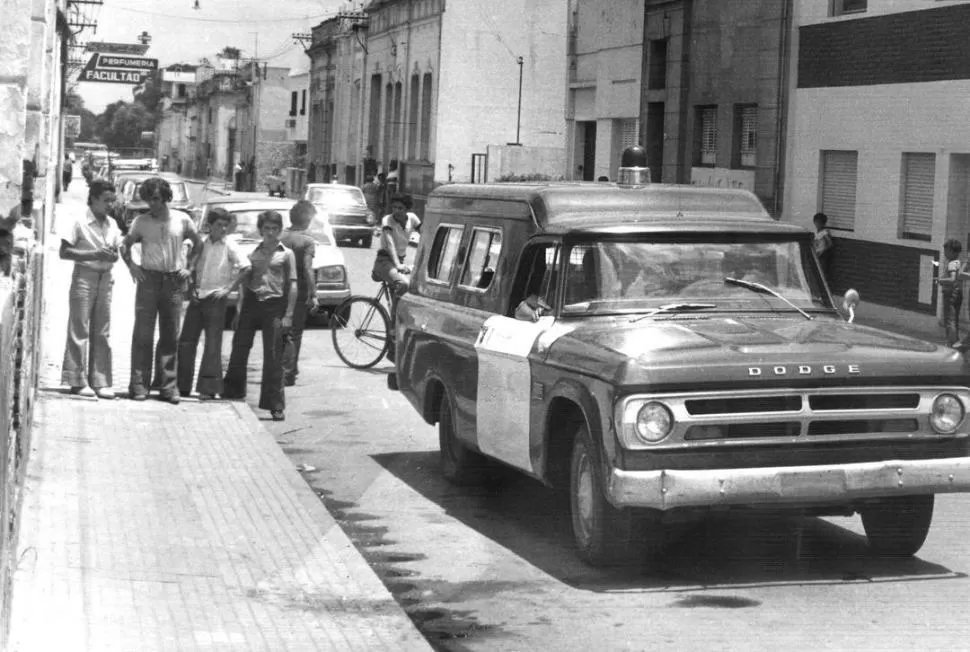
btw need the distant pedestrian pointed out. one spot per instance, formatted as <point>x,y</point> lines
<point>823,244</point>
<point>952,290</point>
<point>267,301</point>
<point>92,243</point>
<point>215,274</point>
<point>303,247</point>
<point>383,205</point>
<point>371,191</point>
<point>161,277</point>
<point>67,172</point>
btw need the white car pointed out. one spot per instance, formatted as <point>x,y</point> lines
<point>332,283</point>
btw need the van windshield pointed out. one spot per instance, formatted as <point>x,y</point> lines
<point>639,276</point>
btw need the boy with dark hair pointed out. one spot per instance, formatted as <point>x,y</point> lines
<point>92,244</point>
<point>950,284</point>
<point>303,247</point>
<point>267,302</point>
<point>396,230</point>
<point>160,277</point>
<point>823,243</point>
<point>215,274</point>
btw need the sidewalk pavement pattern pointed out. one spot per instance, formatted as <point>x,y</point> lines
<point>148,526</point>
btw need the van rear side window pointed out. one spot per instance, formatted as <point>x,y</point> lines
<point>486,245</point>
<point>444,252</point>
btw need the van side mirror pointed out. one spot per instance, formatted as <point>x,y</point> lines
<point>849,303</point>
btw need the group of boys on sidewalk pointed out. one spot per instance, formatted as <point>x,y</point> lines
<point>274,297</point>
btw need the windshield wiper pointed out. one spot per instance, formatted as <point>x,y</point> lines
<point>674,307</point>
<point>759,287</point>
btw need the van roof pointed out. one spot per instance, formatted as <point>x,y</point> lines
<point>609,207</point>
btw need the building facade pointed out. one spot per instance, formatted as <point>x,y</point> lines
<point>882,146</point>
<point>179,87</point>
<point>714,93</point>
<point>604,58</point>
<point>423,90</point>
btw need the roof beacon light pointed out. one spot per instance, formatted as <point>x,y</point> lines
<point>633,167</point>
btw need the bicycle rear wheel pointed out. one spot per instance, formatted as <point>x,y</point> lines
<point>361,331</point>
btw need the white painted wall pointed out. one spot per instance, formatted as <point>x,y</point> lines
<point>880,122</point>
<point>813,11</point>
<point>479,80</point>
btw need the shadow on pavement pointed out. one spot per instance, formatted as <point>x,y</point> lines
<point>738,549</point>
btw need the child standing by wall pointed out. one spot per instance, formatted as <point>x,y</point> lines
<point>952,288</point>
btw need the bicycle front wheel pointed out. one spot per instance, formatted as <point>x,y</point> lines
<point>361,331</point>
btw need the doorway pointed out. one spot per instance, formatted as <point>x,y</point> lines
<point>655,140</point>
<point>958,200</point>
<point>589,150</point>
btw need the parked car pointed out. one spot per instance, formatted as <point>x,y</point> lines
<point>331,282</point>
<point>181,200</point>
<point>125,182</point>
<point>346,210</point>
<point>658,352</point>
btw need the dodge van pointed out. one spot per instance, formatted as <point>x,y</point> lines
<point>681,353</point>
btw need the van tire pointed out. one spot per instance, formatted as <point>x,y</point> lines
<point>460,465</point>
<point>603,534</point>
<point>897,527</point>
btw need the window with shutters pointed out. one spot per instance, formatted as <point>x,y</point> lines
<point>627,133</point>
<point>706,136</point>
<point>917,180</point>
<point>745,136</point>
<point>838,176</point>
<point>293,100</point>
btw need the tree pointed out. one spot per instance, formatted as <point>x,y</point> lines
<point>230,52</point>
<point>74,105</point>
<point>121,124</point>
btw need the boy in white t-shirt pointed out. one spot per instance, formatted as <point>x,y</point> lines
<point>396,230</point>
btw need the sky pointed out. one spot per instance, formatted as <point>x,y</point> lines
<point>182,34</point>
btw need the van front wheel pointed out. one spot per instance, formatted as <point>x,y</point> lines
<point>459,464</point>
<point>603,534</point>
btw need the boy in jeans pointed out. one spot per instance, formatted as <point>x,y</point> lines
<point>952,288</point>
<point>215,274</point>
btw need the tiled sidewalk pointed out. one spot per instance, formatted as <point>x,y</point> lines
<point>147,526</point>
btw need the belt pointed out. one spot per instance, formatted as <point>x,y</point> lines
<point>155,271</point>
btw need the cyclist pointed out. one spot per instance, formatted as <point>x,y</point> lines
<point>389,267</point>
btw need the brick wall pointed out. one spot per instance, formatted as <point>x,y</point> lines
<point>914,46</point>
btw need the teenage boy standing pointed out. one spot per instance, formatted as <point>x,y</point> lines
<point>215,274</point>
<point>267,302</point>
<point>161,278</point>
<point>93,246</point>
<point>303,247</point>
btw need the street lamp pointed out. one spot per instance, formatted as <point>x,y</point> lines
<point>518,117</point>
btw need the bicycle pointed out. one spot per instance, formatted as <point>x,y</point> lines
<point>361,329</point>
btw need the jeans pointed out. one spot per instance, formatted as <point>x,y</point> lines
<point>87,355</point>
<point>157,298</point>
<point>291,352</point>
<point>952,302</point>
<point>208,315</point>
<point>267,316</point>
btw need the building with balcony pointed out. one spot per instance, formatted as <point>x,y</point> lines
<point>880,143</point>
<point>179,85</point>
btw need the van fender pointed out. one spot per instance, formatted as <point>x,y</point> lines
<point>545,433</point>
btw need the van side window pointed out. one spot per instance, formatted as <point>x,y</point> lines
<point>486,245</point>
<point>444,252</point>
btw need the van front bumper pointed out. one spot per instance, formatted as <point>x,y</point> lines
<point>788,485</point>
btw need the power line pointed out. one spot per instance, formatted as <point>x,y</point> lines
<point>221,20</point>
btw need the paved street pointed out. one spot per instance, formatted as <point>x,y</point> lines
<point>147,526</point>
<point>481,570</point>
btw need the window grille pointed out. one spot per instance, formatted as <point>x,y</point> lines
<point>749,136</point>
<point>708,135</point>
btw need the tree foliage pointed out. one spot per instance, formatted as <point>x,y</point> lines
<point>121,124</point>
<point>229,52</point>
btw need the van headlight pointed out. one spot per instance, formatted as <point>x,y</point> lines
<point>654,422</point>
<point>947,414</point>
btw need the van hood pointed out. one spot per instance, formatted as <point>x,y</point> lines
<point>693,351</point>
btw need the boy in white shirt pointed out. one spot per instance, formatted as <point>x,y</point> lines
<point>216,273</point>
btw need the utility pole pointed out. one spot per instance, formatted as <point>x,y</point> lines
<point>518,117</point>
<point>256,75</point>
